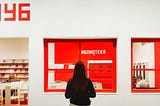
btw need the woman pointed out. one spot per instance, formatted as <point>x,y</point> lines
<point>80,88</point>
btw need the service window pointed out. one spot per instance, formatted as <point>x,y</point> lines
<point>98,55</point>
<point>145,65</point>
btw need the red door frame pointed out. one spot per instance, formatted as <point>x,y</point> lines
<point>157,61</point>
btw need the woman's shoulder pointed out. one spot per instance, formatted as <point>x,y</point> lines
<point>89,80</point>
<point>70,81</point>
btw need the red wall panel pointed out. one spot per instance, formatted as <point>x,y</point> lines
<point>108,79</point>
<point>65,53</point>
<point>70,51</point>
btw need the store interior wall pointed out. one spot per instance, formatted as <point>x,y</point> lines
<point>14,48</point>
<point>122,19</point>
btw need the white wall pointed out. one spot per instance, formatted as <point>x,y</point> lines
<point>87,18</point>
<point>14,48</point>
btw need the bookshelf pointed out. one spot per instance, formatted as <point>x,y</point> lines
<point>16,67</point>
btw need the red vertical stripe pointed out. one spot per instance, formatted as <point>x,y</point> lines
<point>132,81</point>
<point>157,64</point>
<point>0,12</point>
<point>45,65</point>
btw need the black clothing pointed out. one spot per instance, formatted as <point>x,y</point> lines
<point>80,97</point>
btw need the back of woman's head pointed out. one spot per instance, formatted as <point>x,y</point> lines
<point>79,70</point>
<point>79,76</point>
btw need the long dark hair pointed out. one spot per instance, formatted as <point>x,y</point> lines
<point>79,77</point>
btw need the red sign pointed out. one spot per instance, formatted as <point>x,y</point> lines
<point>15,12</point>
